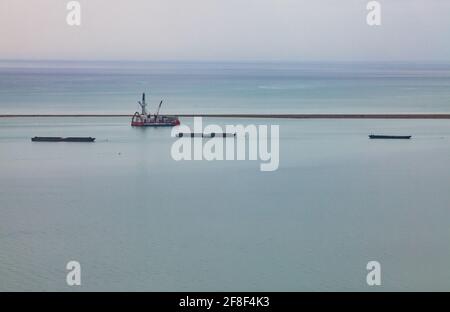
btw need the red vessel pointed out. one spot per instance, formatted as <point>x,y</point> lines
<point>156,120</point>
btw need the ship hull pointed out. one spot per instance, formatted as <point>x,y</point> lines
<point>140,120</point>
<point>153,125</point>
<point>60,139</point>
<point>401,137</point>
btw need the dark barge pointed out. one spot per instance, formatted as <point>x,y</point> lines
<point>375,136</point>
<point>205,135</point>
<point>60,139</point>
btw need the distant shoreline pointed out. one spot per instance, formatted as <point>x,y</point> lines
<point>284,116</point>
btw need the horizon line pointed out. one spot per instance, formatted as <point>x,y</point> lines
<point>224,61</point>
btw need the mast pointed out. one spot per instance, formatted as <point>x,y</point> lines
<point>143,105</point>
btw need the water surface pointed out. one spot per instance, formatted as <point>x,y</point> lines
<point>138,220</point>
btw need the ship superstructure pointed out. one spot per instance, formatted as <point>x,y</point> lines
<point>145,119</point>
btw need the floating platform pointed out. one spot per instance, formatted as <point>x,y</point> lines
<point>60,139</point>
<point>144,119</point>
<point>402,137</point>
<point>206,135</point>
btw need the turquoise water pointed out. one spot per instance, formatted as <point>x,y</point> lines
<point>138,220</point>
<point>112,87</point>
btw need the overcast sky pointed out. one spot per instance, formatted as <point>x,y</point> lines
<point>300,30</point>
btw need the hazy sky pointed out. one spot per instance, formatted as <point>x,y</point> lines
<point>301,30</point>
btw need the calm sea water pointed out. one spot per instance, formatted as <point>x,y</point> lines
<point>105,87</point>
<point>138,220</point>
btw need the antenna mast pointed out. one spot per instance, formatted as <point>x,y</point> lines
<point>143,105</point>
